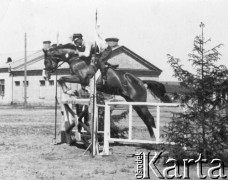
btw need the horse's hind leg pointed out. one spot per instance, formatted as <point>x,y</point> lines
<point>68,79</point>
<point>147,118</point>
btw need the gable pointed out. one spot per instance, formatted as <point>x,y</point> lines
<point>126,62</point>
<point>34,62</point>
<point>127,59</point>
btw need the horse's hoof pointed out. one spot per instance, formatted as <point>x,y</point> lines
<point>76,93</point>
<point>70,93</point>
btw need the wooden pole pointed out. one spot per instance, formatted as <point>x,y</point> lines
<point>56,102</point>
<point>25,73</point>
<point>158,125</point>
<point>93,106</point>
<point>130,122</point>
<point>106,130</point>
<point>56,94</point>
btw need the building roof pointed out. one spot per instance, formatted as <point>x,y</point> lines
<point>174,87</point>
<point>31,59</point>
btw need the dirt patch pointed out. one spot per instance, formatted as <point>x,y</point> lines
<point>27,152</point>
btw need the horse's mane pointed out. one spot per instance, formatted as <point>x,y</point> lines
<point>64,46</point>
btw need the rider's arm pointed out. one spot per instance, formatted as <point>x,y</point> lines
<point>87,51</point>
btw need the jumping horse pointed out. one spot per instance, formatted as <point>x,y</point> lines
<point>131,88</point>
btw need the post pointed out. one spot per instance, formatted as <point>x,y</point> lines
<point>56,102</point>
<point>130,123</point>
<point>106,129</point>
<point>25,73</point>
<point>12,88</point>
<point>93,115</point>
<point>158,125</point>
<point>56,93</point>
<point>67,123</point>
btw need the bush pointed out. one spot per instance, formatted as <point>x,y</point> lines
<point>116,132</point>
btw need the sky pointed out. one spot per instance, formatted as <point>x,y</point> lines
<point>150,28</point>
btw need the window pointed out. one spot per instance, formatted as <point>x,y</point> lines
<point>2,87</point>
<point>27,83</point>
<point>17,83</point>
<point>51,83</point>
<point>42,83</point>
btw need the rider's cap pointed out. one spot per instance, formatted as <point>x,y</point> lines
<point>112,42</point>
<point>112,39</point>
<point>46,44</point>
<point>76,36</point>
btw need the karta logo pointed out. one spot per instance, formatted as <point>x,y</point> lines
<point>145,165</point>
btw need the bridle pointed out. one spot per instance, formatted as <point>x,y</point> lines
<point>54,68</point>
<point>51,56</point>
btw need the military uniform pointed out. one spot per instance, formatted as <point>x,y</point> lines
<point>102,60</point>
<point>84,51</point>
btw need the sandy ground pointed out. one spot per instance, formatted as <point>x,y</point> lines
<point>27,152</point>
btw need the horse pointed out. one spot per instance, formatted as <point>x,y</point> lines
<point>121,83</point>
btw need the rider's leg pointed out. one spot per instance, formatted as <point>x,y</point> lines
<point>103,71</point>
<point>103,59</point>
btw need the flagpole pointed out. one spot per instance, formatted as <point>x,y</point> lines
<point>95,115</point>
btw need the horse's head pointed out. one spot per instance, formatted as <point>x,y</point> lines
<point>50,62</point>
<point>52,56</point>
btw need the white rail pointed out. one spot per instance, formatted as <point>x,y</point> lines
<point>107,137</point>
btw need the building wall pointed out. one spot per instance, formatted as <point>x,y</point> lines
<point>37,94</point>
<point>7,97</point>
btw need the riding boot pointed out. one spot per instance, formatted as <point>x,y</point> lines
<point>104,78</point>
<point>103,75</point>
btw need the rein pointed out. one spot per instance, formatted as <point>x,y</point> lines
<point>59,65</point>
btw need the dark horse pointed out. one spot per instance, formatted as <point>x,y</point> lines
<point>118,82</point>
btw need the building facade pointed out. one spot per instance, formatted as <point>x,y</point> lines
<point>41,92</point>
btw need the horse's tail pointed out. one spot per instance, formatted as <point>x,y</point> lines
<point>158,89</point>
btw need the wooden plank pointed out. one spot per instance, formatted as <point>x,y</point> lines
<point>135,141</point>
<point>106,130</point>
<point>144,103</point>
<point>130,122</point>
<point>158,125</point>
<point>74,100</point>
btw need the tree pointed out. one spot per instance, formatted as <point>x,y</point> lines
<point>203,126</point>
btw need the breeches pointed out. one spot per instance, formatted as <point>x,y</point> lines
<point>104,58</point>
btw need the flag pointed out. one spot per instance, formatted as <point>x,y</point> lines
<point>98,37</point>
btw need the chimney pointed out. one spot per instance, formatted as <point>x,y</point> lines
<point>112,42</point>
<point>46,45</point>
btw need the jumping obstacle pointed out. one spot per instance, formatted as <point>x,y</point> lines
<point>108,139</point>
<point>70,120</point>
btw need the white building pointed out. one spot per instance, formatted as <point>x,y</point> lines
<point>40,92</point>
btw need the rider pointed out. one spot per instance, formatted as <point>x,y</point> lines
<point>83,50</point>
<point>111,43</point>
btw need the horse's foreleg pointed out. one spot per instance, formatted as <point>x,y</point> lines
<point>68,79</point>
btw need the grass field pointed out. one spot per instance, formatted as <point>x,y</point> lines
<point>27,152</point>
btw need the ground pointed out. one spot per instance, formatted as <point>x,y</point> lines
<point>27,152</point>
